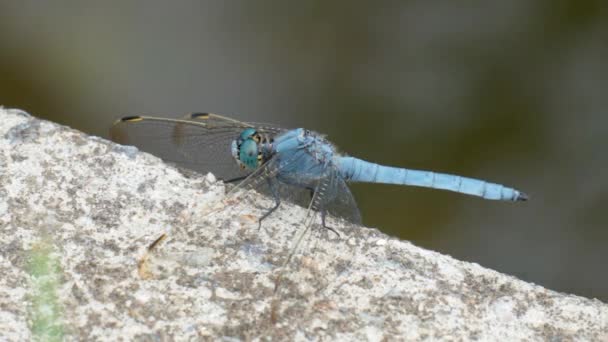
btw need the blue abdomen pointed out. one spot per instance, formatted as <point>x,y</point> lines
<point>357,170</point>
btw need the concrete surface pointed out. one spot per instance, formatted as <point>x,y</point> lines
<point>78,212</point>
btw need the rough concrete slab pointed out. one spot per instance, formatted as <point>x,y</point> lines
<point>77,213</point>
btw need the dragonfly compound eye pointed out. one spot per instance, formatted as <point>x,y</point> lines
<point>248,133</point>
<point>248,154</point>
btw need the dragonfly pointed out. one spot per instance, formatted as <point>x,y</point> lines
<point>293,165</point>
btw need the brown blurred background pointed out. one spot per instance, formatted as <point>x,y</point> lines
<point>514,92</point>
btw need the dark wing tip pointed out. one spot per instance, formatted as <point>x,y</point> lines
<point>116,130</point>
<point>522,196</point>
<point>130,118</point>
<point>199,115</point>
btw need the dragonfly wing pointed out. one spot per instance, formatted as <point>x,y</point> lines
<point>339,201</point>
<point>330,194</point>
<point>258,180</point>
<point>214,121</point>
<point>203,146</point>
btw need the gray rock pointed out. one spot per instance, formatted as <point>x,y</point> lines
<point>77,214</point>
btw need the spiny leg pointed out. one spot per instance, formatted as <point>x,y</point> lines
<point>323,214</point>
<point>316,195</point>
<point>235,180</point>
<point>277,199</point>
<point>307,223</point>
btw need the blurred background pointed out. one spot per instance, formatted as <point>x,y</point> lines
<point>514,92</point>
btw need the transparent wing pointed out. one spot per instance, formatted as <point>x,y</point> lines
<point>338,200</point>
<point>260,178</point>
<point>215,121</point>
<point>331,195</point>
<point>199,141</point>
<point>240,193</point>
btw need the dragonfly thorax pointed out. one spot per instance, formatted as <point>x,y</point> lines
<point>251,149</point>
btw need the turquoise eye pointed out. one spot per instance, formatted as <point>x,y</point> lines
<point>247,133</point>
<point>248,153</point>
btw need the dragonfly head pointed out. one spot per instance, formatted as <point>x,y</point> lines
<point>247,149</point>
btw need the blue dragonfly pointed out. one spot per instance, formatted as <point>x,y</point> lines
<point>297,165</point>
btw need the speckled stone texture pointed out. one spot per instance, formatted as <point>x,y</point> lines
<point>99,205</point>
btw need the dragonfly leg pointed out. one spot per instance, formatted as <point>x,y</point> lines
<point>235,180</point>
<point>323,214</point>
<point>277,201</point>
